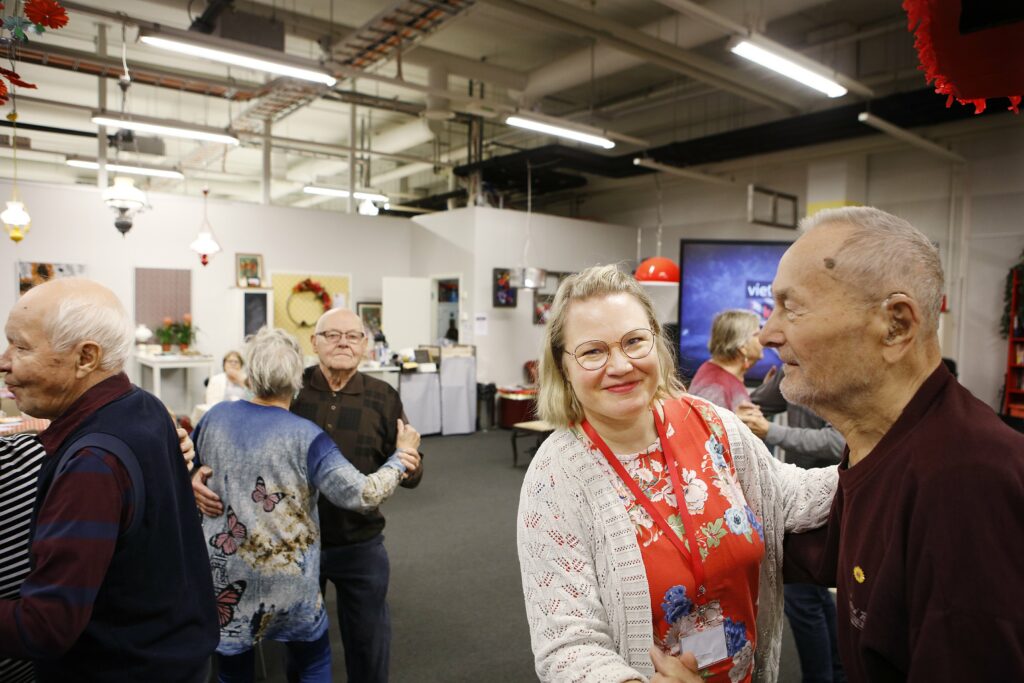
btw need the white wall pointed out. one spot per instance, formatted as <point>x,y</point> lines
<point>71,225</point>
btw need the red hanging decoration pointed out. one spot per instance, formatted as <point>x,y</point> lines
<point>971,52</point>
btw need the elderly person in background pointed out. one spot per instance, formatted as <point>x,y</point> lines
<point>734,350</point>
<point>649,517</point>
<point>117,590</point>
<point>230,384</point>
<point>924,534</point>
<point>268,466</point>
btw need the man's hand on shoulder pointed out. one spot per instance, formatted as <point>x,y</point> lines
<point>209,503</point>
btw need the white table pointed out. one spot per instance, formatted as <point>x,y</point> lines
<point>387,373</point>
<point>158,364</point>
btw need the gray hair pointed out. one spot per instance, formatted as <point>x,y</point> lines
<point>556,401</point>
<point>79,318</point>
<point>320,323</point>
<point>730,330</point>
<point>274,360</point>
<point>886,254</point>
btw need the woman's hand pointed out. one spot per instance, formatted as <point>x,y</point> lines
<point>669,669</point>
<point>188,449</point>
<point>207,501</point>
<point>410,458</point>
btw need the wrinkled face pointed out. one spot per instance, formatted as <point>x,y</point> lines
<point>343,354</point>
<point>623,389</point>
<point>44,383</point>
<point>821,329</point>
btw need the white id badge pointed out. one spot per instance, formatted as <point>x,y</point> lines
<point>708,646</point>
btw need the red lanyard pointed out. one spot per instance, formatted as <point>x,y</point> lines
<point>692,558</point>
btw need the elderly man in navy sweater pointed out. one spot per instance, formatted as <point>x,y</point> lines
<point>120,588</point>
<point>923,539</point>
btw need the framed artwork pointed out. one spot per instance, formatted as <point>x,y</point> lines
<point>31,273</point>
<point>370,313</point>
<point>505,295</point>
<point>249,270</point>
<point>541,307</point>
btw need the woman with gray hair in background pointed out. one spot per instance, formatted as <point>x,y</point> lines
<point>734,350</point>
<point>268,466</point>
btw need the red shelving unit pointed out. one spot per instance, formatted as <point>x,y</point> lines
<point>1013,395</point>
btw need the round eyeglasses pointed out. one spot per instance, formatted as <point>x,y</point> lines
<point>333,337</point>
<point>594,354</point>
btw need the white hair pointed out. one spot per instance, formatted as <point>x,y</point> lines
<point>105,322</point>
<point>274,362</point>
<point>320,322</point>
<point>886,254</point>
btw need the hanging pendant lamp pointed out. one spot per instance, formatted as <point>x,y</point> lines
<point>15,217</point>
<point>205,244</point>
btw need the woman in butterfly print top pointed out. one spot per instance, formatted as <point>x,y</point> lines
<point>268,466</point>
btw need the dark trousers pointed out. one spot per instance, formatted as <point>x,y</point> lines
<point>307,663</point>
<point>812,616</point>
<point>360,574</point>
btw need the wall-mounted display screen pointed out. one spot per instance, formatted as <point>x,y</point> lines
<point>716,275</point>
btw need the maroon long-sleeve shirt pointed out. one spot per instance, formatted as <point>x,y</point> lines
<point>924,546</point>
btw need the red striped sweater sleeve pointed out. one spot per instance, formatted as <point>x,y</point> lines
<point>75,538</point>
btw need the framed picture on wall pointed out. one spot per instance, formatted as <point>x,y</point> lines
<point>505,295</point>
<point>249,270</point>
<point>370,313</point>
<point>541,307</point>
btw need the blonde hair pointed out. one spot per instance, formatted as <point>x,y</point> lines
<point>730,330</point>
<point>556,401</point>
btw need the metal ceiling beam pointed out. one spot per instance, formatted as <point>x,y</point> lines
<point>632,41</point>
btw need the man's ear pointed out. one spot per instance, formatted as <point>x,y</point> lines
<point>88,360</point>
<point>902,316</point>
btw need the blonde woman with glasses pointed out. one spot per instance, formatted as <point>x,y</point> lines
<point>651,522</point>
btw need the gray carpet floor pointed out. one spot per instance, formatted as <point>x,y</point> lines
<point>456,597</point>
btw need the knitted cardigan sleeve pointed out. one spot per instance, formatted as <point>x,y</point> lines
<point>571,632</point>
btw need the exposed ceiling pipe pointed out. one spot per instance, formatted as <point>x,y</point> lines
<point>575,69</point>
<point>651,50</point>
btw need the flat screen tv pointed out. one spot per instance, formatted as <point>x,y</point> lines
<point>716,275</point>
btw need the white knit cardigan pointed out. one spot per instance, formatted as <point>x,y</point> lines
<point>587,598</point>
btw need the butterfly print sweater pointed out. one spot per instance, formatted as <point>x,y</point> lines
<point>269,468</point>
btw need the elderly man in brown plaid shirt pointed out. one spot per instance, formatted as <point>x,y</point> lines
<point>364,417</point>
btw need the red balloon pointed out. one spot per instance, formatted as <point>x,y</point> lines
<point>657,269</point>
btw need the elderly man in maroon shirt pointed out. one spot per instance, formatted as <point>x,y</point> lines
<point>923,539</point>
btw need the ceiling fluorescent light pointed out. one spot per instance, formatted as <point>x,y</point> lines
<point>130,170</point>
<point>786,67</point>
<point>682,172</point>
<point>161,127</point>
<point>908,137</point>
<point>334,192</point>
<point>559,131</point>
<point>234,53</point>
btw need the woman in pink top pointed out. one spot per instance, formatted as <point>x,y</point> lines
<point>734,350</point>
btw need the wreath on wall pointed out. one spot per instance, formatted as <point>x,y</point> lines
<point>319,294</point>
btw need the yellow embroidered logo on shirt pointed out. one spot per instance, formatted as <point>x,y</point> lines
<point>858,574</point>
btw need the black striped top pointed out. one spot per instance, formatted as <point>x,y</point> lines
<point>20,458</point>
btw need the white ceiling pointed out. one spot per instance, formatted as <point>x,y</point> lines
<point>522,55</point>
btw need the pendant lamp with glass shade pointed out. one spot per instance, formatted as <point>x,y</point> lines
<point>658,275</point>
<point>528,277</point>
<point>15,216</point>
<point>205,244</point>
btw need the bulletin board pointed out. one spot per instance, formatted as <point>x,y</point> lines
<point>297,312</point>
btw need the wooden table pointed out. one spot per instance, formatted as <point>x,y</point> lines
<point>538,428</point>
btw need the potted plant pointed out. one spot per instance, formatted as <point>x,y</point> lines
<point>166,334</point>
<point>185,333</point>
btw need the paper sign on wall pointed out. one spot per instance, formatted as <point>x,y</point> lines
<point>480,325</point>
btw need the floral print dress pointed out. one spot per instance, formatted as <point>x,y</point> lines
<point>729,537</point>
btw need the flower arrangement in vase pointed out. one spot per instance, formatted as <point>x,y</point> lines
<point>185,333</point>
<point>166,334</point>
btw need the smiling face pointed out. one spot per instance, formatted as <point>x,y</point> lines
<point>623,389</point>
<point>343,356</point>
<point>821,328</point>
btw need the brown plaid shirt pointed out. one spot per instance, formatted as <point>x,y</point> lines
<point>361,419</point>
